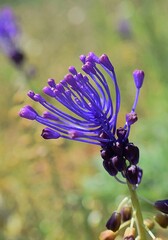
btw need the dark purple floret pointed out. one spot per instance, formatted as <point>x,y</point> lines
<point>109,167</point>
<point>119,163</point>
<point>114,221</point>
<point>117,148</point>
<point>107,153</point>
<point>134,174</point>
<point>92,114</point>
<point>121,133</point>
<point>162,205</point>
<point>131,153</point>
<point>47,133</point>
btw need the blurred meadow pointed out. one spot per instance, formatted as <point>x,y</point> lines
<point>55,190</point>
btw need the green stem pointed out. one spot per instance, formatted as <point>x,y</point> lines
<point>138,213</point>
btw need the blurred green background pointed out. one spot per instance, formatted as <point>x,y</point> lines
<point>55,190</point>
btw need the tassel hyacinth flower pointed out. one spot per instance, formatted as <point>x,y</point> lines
<point>94,114</point>
<point>92,118</point>
<point>9,33</point>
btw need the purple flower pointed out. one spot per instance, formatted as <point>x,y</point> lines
<point>94,113</point>
<point>9,33</point>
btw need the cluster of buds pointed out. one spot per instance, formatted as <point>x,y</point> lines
<point>122,222</point>
<point>118,222</point>
<point>122,156</point>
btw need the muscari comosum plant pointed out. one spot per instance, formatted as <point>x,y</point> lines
<point>10,45</point>
<point>94,121</point>
<point>9,37</point>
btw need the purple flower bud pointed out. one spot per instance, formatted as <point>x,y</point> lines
<point>72,70</point>
<point>92,58</point>
<point>131,118</point>
<point>80,77</point>
<point>31,94</point>
<point>134,174</point>
<point>106,62</point>
<point>48,91</point>
<point>109,167</point>
<point>121,132</point>
<point>118,162</point>
<point>28,112</point>
<point>107,153</point>
<point>48,133</point>
<point>131,153</point>
<point>138,76</point>
<point>51,83</point>
<point>70,80</point>
<point>114,222</point>
<point>162,205</point>
<point>60,88</point>
<point>83,58</point>
<point>39,98</point>
<point>88,68</point>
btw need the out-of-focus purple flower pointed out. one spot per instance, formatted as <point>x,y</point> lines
<point>9,34</point>
<point>124,28</point>
<point>93,116</point>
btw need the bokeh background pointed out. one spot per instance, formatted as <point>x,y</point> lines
<point>55,190</point>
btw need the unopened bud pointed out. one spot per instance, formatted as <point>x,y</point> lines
<point>162,205</point>
<point>121,132</point>
<point>107,235</point>
<point>131,153</point>
<point>106,62</point>
<point>109,167</point>
<point>129,233</point>
<point>134,174</point>
<point>114,221</point>
<point>126,213</point>
<point>118,162</point>
<point>162,220</point>
<point>138,76</point>
<point>131,118</point>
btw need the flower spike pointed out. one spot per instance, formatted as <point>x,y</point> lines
<point>9,32</point>
<point>94,114</point>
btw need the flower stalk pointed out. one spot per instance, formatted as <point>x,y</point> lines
<point>138,214</point>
